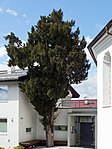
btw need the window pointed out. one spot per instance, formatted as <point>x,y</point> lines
<point>60,127</point>
<point>29,129</point>
<point>107,80</point>
<point>3,125</point>
<point>3,93</point>
<point>84,119</point>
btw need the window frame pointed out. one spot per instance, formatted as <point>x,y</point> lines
<point>4,132</point>
<point>5,100</point>
<point>60,128</point>
<point>29,131</point>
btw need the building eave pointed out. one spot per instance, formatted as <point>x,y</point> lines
<point>97,38</point>
<point>7,80</point>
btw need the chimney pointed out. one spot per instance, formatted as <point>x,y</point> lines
<point>12,69</point>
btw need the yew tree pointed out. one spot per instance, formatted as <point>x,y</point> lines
<point>55,58</point>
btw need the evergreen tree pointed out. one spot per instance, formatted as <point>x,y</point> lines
<point>55,57</point>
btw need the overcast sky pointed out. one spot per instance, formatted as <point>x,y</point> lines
<point>90,16</point>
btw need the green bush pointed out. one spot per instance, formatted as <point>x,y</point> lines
<point>18,147</point>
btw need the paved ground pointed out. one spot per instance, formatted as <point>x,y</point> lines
<point>62,147</point>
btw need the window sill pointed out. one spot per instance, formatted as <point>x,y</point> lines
<point>29,132</point>
<point>3,134</point>
<point>108,106</point>
<point>4,101</point>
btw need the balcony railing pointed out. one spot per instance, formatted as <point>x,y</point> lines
<point>7,75</point>
<point>86,103</point>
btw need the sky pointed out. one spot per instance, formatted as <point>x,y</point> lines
<point>89,15</point>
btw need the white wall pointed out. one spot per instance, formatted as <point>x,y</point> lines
<point>62,119</point>
<point>104,128</point>
<point>20,115</point>
<point>10,111</point>
<point>71,133</point>
<point>104,113</point>
<point>27,119</point>
<point>40,135</point>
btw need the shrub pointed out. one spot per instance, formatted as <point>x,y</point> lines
<point>1,148</point>
<point>18,147</point>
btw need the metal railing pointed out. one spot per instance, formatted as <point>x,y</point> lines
<point>5,74</point>
<point>85,103</point>
<point>16,71</point>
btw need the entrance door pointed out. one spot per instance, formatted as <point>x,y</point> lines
<point>86,134</point>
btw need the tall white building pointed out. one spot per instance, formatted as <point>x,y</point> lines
<point>101,51</point>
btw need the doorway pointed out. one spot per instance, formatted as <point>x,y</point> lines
<point>82,130</point>
<point>86,134</point>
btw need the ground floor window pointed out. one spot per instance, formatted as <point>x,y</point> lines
<point>3,125</point>
<point>29,129</point>
<point>60,127</point>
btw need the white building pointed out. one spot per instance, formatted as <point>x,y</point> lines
<point>101,51</point>
<point>19,122</point>
<point>16,113</point>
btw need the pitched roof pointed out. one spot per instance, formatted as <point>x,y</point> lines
<point>75,94</point>
<point>97,38</point>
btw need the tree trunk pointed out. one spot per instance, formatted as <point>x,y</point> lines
<point>50,131</point>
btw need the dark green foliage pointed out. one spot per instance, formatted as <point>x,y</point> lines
<point>18,147</point>
<point>55,58</point>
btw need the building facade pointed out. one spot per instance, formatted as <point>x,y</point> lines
<point>19,122</point>
<point>16,113</point>
<point>101,51</point>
